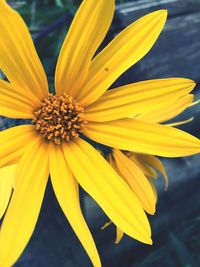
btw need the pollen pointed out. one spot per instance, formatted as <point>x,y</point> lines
<point>59,118</point>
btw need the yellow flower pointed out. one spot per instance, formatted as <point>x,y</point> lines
<point>54,144</point>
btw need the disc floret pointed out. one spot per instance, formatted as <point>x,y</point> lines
<point>59,118</point>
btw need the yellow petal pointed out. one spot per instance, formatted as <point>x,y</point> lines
<point>13,143</point>
<point>18,58</point>
<point>168,110</point>
<point>133,99</point>
<point>14,103</point>
<point>22,214</point>
<point>149,160</point>
<point>194,103</point>
<point>7,175</point>
<point>153,188</point>
<point>178,123</point>
<point>124,51</point>
<point>108,189</point>
<point>119,235</point>
<point>142,137</point>
<point>147,170</point>
<point>66,189</point>
<point>86,33</point>
<point>136,179</point>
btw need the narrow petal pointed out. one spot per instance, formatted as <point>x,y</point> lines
<point>149,160</point>
<point>18,58</point>
<point>22,214</point>
<point>168,110</point>
<point>7,175</point>
<point>123,52</point>
<point>178,123</point>
<point>136,179</point>
<point>133,99</point>
<point>153,188</point>
<point>13,143</point>
<point>108,189</point>
<point>14,103</point>
<point>86,33</point>
<point>66,190</point>
<point>147,169</point>
<point>194,103</point>
<point>119,235</point>
<point>142,137</point>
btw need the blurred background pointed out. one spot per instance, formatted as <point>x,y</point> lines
<point>176,225</point>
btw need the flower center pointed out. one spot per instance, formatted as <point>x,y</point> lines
<point>59,118</point>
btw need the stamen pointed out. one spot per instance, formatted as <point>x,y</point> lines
<point>59,118</point>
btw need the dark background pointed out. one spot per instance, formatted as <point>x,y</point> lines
<point>176,225</point>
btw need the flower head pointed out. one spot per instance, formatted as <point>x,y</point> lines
<point>54,144</point>
<point>59,118</point>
